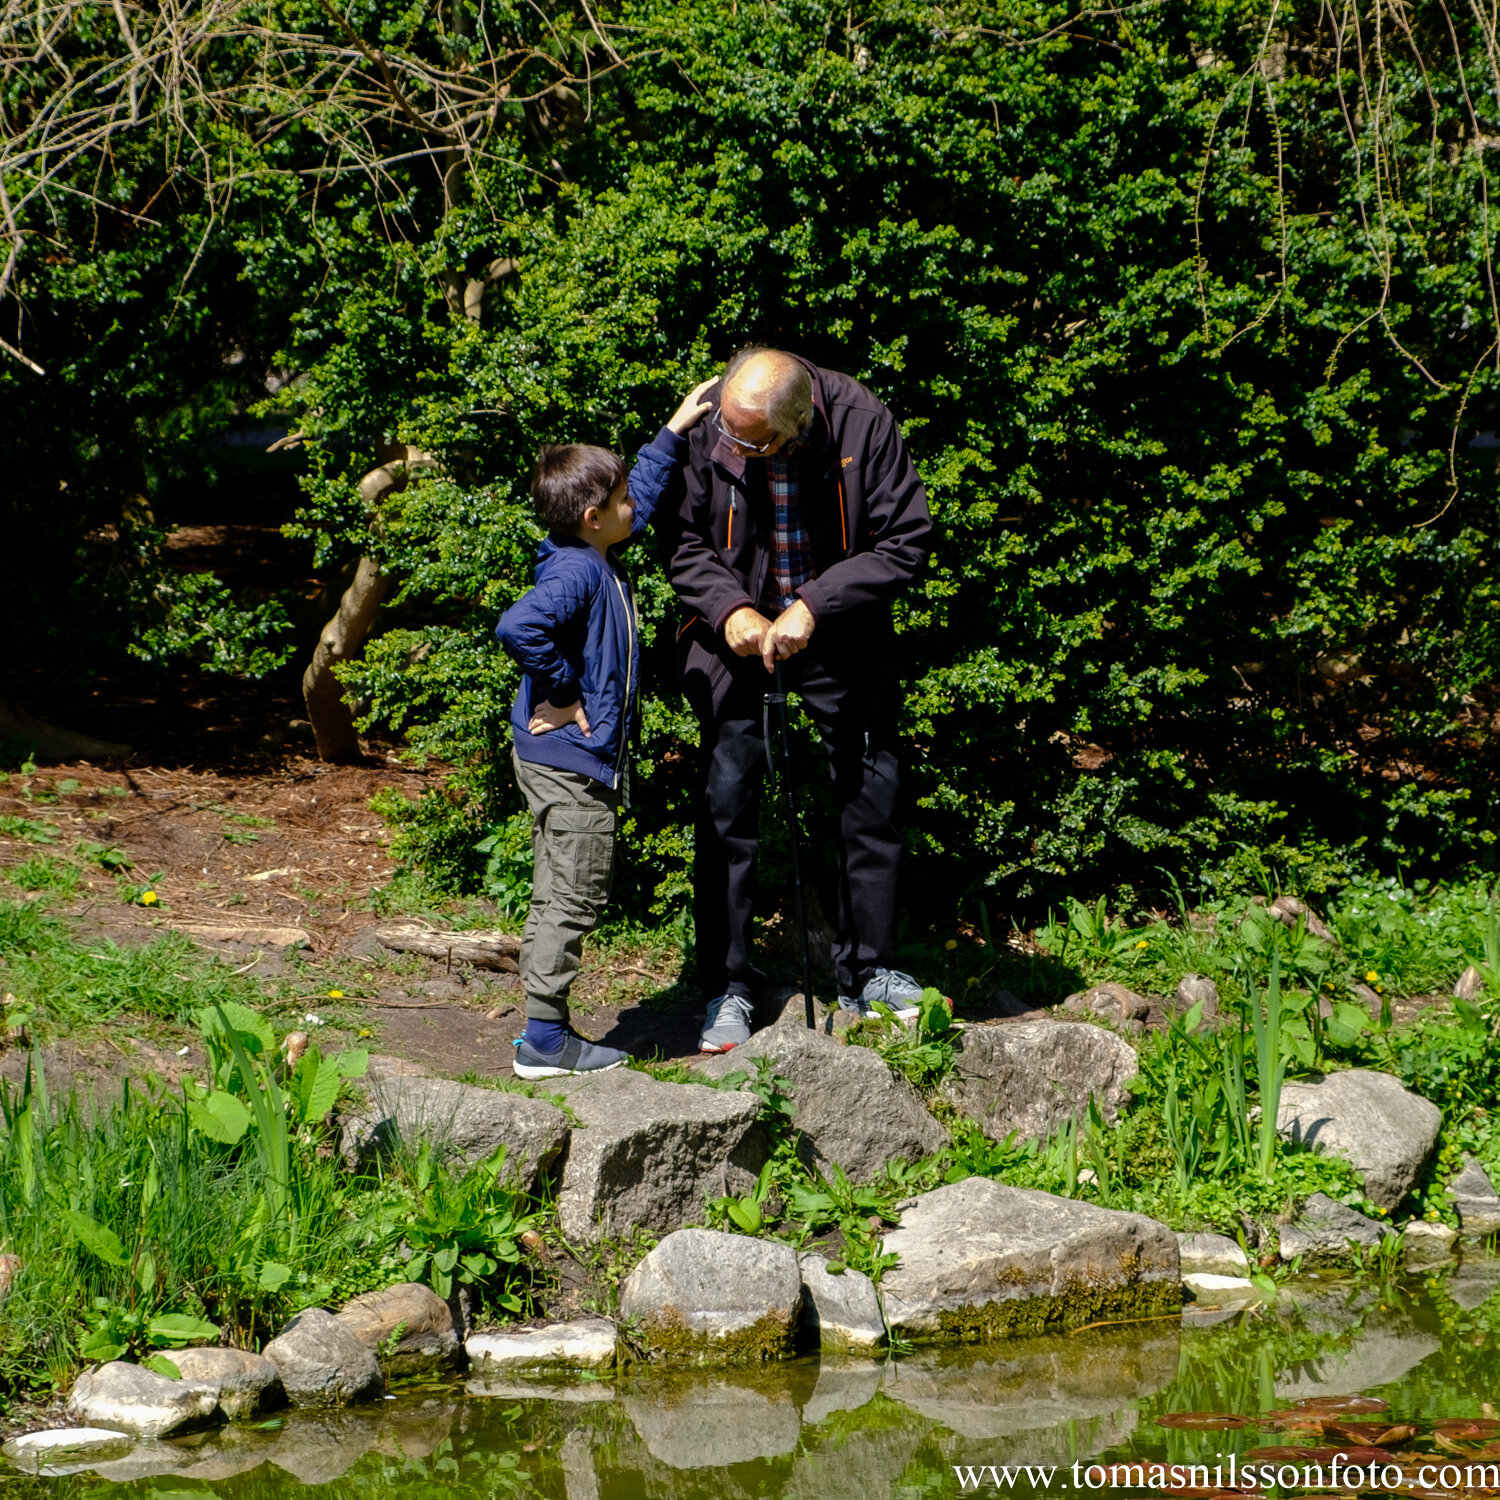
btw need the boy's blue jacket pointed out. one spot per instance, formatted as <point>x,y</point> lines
<point>577,632</point>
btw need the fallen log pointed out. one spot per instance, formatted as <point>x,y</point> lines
<point>482,950</point>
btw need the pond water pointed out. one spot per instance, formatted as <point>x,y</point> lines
<point>825,1430</point>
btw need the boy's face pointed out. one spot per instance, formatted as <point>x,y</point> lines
<point>615,518</point>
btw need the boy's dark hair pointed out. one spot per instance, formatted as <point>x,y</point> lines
<point>570,477</point>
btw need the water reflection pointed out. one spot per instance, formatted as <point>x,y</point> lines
<point>823,1431</point>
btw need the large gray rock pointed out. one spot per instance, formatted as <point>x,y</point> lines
<point>1030,1076</point>
<point>322,1363</point>
<point>1474,1197</point>
<point>840,1314</point>
<point>979,1260</point>
<point>247,1383</point>
<point>468,1122</point>
<point>848,1107</point>
<point>140,1401</point>
<point>710,1297</point>
<point>649,1153</point>
<point>1211,1254</point>
<point>585,1344</point>
<point>1378,1126</point>
<point>1324,1231</point>
<point>421,1320</point>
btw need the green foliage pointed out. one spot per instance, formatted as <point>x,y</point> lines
<point>199,618</point>
<point>922,1050</point>
<point>508,866</point>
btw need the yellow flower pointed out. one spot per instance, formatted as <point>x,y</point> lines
<point>951,944</point>
<point>1142,944</point>
<point>148,898</point>
<point>1371,977</point>
<point>335,994</point>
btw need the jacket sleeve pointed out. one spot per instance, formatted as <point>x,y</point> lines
<point>890,508</point>
<point>530,628</point>
<point>657,472</point>
<point>704,585</point>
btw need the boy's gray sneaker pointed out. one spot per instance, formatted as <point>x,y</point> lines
<point>727,1024</point>
<point>890,987</point>
<point>576,1055</point>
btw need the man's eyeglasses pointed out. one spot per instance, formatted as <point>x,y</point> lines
<point>739,442</point>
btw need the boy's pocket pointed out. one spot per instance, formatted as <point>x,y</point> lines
<point>584,838</point>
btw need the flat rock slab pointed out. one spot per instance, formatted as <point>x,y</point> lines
<point>469,1122</point>
<point>139,1401</point>
<point>322,1363</point>
<point>1475,1200</point>
<point>1324,1231</point>
<point>1378,1126</point>
<point>248,1384</point>
<point>840,1313</point>
<point>421,1321</point>
<point>716,1298</point>
<point>1221,1290</point>
<point>1211,1254</point>
<point>1031,1076</point>
<point>649,1153</point>
<point>586,1344</point>
<point>979,1260</point>
<point>848,1107</point>
<point>62,1444</point>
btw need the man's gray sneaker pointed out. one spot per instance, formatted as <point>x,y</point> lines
<point>576,1055</point>
<point>899,992</point>
<point>727,1024</point>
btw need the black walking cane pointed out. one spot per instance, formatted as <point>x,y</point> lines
<point>779,699</point>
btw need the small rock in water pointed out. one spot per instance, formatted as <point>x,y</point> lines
<point>247,1383</point>
<point>322,1363</point>
<point>140,1401</point>
<point>1474,1198</point>
<point>1212,1254</point>
<point>1221,1290</point>
<point>709,1297</point>
<point>585,1344</point>
<point>1325,1230</point>
<point>1423,1242</point>
<point>840,1313</point>
<point>62,1443</point>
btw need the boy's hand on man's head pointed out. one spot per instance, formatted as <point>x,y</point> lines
<point>549,717</point>
<point>693,407</point>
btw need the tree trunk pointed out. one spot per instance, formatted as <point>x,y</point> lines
<point>328,711</point>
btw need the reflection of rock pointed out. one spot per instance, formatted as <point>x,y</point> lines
<point>1474,1282</point>
<point>576,1457</point>
<point>149,1459</point>
<point>866,1464</point>
<point>1035,1387</point>
<point>842,1387</point>
<point>982,1260</point>
<point>1382,1351</point>
<point>417,1431</point>
<point>711,1422</point>
<point>521,1388</point>
<point>318,1449</point>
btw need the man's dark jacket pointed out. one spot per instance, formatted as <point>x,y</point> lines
<point>862,503</point>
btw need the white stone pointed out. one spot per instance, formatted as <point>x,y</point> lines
<point>840,1313</point>
<point>63,1441</point>
<point>140,1401</point>
<point>1207,1287</point>
<point>587,1344</point>
<point>1215,1254</point>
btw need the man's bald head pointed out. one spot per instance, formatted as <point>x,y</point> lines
<point>767,389</point>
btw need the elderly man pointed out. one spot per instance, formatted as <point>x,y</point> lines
<point>802,517</point>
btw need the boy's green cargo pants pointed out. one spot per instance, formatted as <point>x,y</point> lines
<point>573,820</point>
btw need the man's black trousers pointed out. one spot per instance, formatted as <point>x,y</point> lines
<point>847,687</point>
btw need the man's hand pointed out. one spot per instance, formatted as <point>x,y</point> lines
<point>549,717</point>
<point>787,635</point>
<point>745,630</point>
<point>692,408</point>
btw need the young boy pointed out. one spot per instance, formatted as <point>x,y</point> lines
<point>575,637</point>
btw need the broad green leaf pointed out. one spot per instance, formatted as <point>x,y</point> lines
<point>179,1328</point>
<point>162,1366</point>
<point>273,1276</point>
<point>96,1238</point>
<point>221,1117</point>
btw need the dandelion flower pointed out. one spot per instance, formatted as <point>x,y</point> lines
<point>335,994</point>
<point>1371,977</point>
<point>148,898</point>
<point>1142,944</point>
<point>951,944</point>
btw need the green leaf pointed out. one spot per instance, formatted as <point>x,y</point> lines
<point>273,1276</point>
<point>221,1117</point>
<point>96,1238</point>
<point>145,1273</point>
<point>162,1366</point>
<point>179,1328</point>
<point>102,1346</point>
